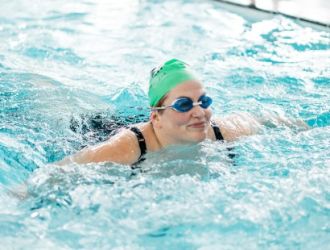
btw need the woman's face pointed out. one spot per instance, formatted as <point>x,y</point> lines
<point>185,127</point>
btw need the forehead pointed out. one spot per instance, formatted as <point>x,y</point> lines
<point>192,89</point>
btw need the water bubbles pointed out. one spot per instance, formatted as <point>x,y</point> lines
<point>72,75</point>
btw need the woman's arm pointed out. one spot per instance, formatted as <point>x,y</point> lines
<point>236,125</point>
<point>122,148</point>
<point>244,124</point>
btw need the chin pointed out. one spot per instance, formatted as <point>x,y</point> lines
<point>198,137</point>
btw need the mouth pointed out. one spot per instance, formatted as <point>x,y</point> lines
<point>198,125</point>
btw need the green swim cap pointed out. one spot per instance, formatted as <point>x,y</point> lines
<point>166,77</point>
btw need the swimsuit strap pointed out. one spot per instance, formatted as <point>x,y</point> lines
<point>141,141</point>
<point>217,132</point>
<point>219,137</point>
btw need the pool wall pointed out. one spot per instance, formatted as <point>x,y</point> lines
<point>315,13</point>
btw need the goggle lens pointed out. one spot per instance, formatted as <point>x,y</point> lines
<point>206,101</point>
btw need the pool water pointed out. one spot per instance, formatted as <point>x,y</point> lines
<point>71,73</point>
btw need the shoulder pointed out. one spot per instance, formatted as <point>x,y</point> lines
<point>121,148</point>
<point>125,139</point>
<point>236,125</point>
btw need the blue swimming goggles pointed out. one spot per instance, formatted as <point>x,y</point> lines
<point>184,104</point>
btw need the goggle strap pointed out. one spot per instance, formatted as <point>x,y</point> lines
<point>160,108</point>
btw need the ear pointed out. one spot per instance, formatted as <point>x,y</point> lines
<point>155,118</point>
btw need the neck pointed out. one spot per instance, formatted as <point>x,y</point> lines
<point>156,136</point>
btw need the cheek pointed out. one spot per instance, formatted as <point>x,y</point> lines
<point>208,113</point>
<point>180,119</point>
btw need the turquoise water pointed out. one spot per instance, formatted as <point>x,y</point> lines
<point>62,63</point>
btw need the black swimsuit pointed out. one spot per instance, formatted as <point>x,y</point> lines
<point>143,146</point>
<point>141,141</point>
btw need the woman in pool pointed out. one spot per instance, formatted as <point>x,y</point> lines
<point>180,114</point>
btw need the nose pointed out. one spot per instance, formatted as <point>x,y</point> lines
<point>198,111</point>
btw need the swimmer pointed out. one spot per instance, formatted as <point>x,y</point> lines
<point>180,114</point>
